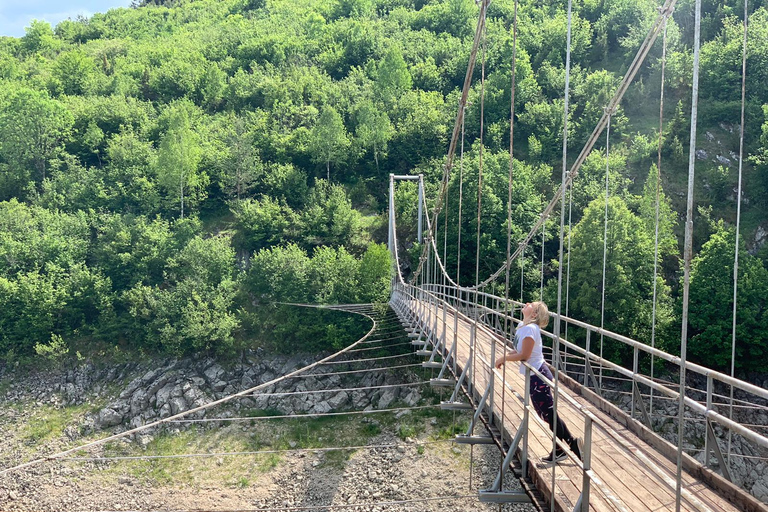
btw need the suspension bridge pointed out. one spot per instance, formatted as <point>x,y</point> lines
<point>459,331</point>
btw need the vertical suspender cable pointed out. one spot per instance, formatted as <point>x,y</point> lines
<point>522,273</point>
<point>688,249</point>
<point>658,199</point>
<point>507,321</point>
<point>445,242</point>
<point>605,242</point>
<point>541,284</point>
<point>568,269</point>
<point>480,162</point>
<point>461,198</point>
<point>738,219</point>
<point>479,214</point>
<point>556,344</point>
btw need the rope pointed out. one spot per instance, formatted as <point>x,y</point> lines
<point>738,214</point>
<point>688,247</point>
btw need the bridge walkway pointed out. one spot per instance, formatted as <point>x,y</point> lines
<point>634,475</point>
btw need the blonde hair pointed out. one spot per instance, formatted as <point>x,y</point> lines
<point>541,317</point>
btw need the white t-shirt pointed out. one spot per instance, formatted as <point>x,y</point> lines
<point>537,356</point>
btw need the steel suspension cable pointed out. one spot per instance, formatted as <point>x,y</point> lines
<point>305,415</point>
<point>338,390</point>
<point>688,248</point>
<point>556,339</point>
<point>658,200</point>
<point>738,215</point>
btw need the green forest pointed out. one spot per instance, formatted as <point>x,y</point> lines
<point>172,171</point>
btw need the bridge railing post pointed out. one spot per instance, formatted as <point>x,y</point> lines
<point>634,381</point>
<point>586,462</point>
<point>710,384</point>
<point>526,413</point>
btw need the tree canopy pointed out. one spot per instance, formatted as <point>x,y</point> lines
<point>165,167</point>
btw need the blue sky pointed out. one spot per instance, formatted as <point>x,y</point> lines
<point>16,14</point>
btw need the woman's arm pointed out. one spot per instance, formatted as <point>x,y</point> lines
<point>523,355</point>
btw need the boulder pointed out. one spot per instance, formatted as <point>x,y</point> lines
<point>108,418</point>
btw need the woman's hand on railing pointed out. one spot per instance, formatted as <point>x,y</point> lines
<point>503,359</point>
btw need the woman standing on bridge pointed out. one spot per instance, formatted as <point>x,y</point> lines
<point>528,348</point>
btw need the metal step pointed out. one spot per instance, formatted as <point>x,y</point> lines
<point>424,352</point>
<point>462,439</point>
<point>503,497</point>
<point>442,383</point>
<point>455,406</point>
<point>431,364</point>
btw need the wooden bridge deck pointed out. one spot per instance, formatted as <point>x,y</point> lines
<point>637,475</point>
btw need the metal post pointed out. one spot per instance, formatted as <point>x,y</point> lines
<point>526,406</point>
<point>421,207</point>
<point>390,241</point>
<point>586,461</point>
<point>709,407</point>
<point>634,382</point>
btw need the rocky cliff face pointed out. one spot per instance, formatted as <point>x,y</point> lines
<point>152,391</point>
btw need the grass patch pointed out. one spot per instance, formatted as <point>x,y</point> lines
<point>49,422</point>
<point>237,471</point>
<point>5,385</point>
<point>336,459</point>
